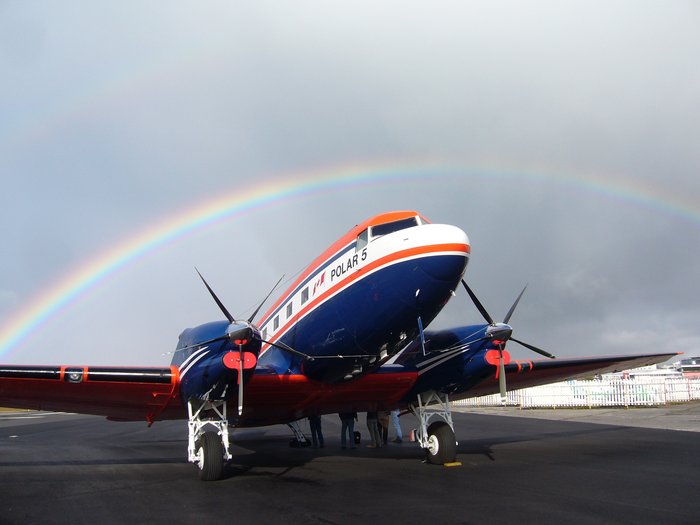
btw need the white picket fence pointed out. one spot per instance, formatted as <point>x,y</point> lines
<point>639,391</point>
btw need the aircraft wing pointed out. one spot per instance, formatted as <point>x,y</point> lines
<point>524,374</point>
<point>114,392</point>
<point>150,394</point>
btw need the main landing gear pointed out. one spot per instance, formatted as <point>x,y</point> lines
<point>208,449</point>
<point>438,438</point>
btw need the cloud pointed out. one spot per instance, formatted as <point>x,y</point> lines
<point>554,119</point>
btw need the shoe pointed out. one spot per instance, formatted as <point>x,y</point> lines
<point>371,446</point>
<point>397,440</point>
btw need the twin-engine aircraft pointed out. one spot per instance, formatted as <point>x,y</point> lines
<point>349,335</point>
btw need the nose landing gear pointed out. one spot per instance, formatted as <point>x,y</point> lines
<point>208,449</point>
<point>438,438</point>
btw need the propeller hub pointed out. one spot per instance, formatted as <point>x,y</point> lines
<point>241,332</point>
<point>499,332</point>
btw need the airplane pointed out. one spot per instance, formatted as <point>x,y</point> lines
<point>348,335</point>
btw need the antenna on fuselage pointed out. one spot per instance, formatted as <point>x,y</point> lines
<point>422,334</point>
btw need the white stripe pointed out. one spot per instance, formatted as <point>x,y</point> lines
<point>443,361</point>
<point>193,362</point>
<point>276,337</point>
<point>442,356</point>
<point>192,356</point>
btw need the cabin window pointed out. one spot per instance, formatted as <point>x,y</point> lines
<point>276,322</point>
<point>289,310</point>
<point>362,240</point>
<point>391,227</point>
<point>264,334</point>
<point>305,295</point>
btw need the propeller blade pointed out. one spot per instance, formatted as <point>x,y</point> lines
<point>240,379</point>
<point>250,320</point>
<point>502,377</point>
<point>533,348</point>
<point>512,308</point>
<point>478,304</point>
<point>221,305</point>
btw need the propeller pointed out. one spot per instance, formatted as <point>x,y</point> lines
<point>501,333</point>
<point>239,333</point>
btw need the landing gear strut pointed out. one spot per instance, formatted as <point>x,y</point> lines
<point>438,438</point>
<point>208,449</point>
<point>299,439</point>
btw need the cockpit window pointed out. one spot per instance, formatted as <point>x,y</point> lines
<point>362,240</point>
<point>391,227</point>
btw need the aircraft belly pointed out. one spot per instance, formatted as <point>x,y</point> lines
<point>303,397</point>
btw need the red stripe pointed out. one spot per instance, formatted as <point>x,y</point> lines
<point>384,261</point>
<point>339,245</point>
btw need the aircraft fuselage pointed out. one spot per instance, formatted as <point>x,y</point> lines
<point>355,306</point>
<point>363,297</point>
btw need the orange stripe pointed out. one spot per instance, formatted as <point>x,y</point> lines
<point>384,261</point>
<point>337,246</point>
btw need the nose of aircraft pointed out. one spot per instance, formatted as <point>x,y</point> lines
<point>454,251</point>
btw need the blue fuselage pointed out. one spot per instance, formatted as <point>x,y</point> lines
<point>357,305</point>
<point>372,319</point>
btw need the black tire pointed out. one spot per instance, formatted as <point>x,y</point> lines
<point>211,456</point>
<point>443,445</point>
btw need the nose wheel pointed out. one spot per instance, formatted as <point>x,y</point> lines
<point>208,449</point>
<point>210,456</point>
<point>438,438</point>
<point>442,445</point>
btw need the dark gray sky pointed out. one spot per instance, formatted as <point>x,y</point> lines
<point>561,136</point>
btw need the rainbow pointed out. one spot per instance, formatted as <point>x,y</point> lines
<point>258,195</point>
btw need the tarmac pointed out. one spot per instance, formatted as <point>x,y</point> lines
<point>531,466</point>
<point>683,416</point>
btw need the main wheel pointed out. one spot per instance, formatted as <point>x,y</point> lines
<point>442,445</point>
<point>210,456</point>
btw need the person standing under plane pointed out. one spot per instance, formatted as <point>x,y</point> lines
<point>397,426</point>
<point>316,432</point>
<point>383,426</point>
<point>372,426</point>
<point>347,428</point>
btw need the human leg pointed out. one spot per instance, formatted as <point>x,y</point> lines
<point>397,426</point>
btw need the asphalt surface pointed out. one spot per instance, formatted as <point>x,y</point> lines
<point>517,467</point>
